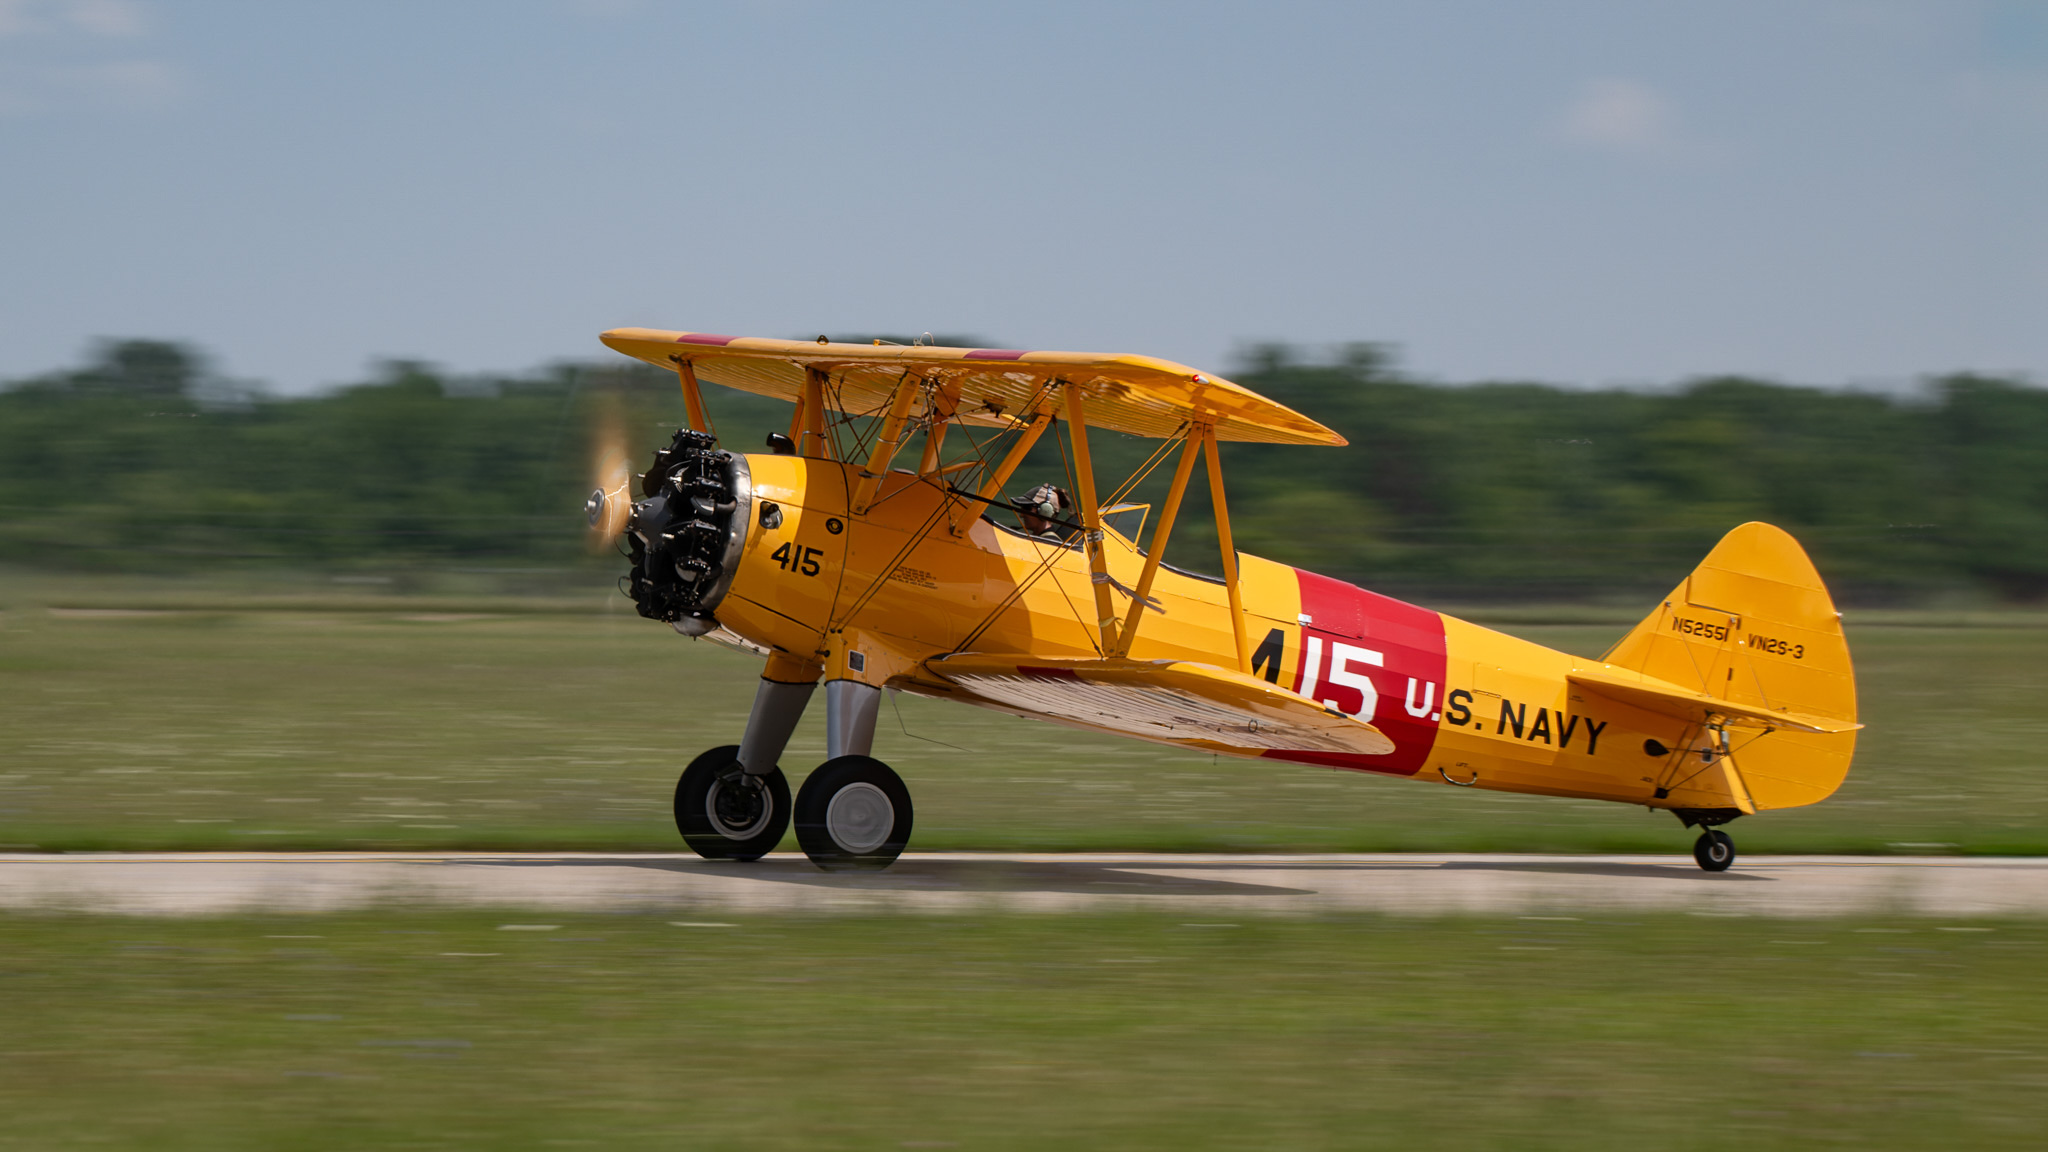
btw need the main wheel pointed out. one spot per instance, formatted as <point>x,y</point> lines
<point>853,812</point>
<point>726,813</point>
<point>1715,850</point>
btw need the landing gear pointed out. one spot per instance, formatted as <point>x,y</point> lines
<point>853,812</point>
<point>727,813</point>
<point>1715,850</point>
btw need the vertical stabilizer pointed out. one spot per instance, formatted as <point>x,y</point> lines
<point>1754,625</point>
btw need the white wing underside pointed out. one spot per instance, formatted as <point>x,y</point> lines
<point>1126,703</point>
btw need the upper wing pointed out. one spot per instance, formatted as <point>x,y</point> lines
<point>1685,704</point>
<point>1167,700</point>
<point>1135,394</point>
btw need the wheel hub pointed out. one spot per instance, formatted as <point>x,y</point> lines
<point>738,806</point>
<point>860,818</point>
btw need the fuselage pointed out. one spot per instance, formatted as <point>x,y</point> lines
<point>923,574</point>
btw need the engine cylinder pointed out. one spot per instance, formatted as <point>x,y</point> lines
<point>686,534</point>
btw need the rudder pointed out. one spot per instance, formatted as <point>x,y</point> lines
<point>1753,624</point>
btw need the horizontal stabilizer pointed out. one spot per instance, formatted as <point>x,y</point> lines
<point>1671,700</point>
<point>1172,701</point>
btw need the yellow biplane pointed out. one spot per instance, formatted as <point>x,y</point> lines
<point>839,563</point>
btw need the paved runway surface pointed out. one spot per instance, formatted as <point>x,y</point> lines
<point>169,884</point>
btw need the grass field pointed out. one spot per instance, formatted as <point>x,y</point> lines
<point>410,1031</point>
<point>414,726</point>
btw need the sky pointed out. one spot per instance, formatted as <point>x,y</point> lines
<point>1835,192</point>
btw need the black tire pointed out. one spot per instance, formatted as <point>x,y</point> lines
<point>724,813</point>
<point>853,812</point>
<point>1715,850</point>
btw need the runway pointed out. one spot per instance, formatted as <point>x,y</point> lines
<point>189,884</point>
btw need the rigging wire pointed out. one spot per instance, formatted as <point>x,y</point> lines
<point>1718,757</point>
<point>898,709</point>
<point>917,537</point>
<point>1023,586</point>
<point>903,438</point>
<point>1044,565</point>
<point>980,450</point>
<point>1152,462</point>
<point>924,530</point>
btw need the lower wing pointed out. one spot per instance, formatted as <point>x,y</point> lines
<point>1172,701</point>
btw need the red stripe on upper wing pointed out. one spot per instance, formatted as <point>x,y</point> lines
<point>995,354</point>
<point>711,338</point>
<point>1351,626</point>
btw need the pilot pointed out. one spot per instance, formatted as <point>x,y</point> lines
<point>1039,508</point>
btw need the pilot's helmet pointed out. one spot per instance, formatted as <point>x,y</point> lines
<point>1045,501</point>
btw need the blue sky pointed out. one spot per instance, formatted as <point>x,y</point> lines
<point>1826,191</point>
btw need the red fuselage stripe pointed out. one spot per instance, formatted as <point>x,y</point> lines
<point>1376,658</point>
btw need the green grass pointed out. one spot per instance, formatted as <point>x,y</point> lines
<point>408,728</point>
<point>414,1030</point>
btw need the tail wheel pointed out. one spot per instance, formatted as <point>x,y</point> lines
<point>1715,850</point>
<point>727,813</point>
<point>853,812</point>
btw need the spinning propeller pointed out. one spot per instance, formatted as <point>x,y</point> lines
<point>611,501</point>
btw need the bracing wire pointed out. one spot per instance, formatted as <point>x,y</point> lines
<point>1151,463</point>
<point>931,521</point>
<point>1055,551</point>
<point>980,451</point>
<point>1731,754</point>
<point>924,530</point>
<point>898,709</point>
<point>903,437</point>
<point>1025,585</point>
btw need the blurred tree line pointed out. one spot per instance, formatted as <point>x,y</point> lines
<point>1531,490</point>
<point>144,461</point>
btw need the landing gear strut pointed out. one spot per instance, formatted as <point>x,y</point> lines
<point>732,802</point>
<point>853,810</point>
<point>1715,850</point>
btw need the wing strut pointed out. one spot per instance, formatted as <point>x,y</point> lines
<point>693,397</point>
<point>1223,540</point>
<point>943,406</point>
<point>1191,449</point>
<point>992,485</point>
<point>1091,519</point>
<point>810,417</point>
<point>886,444</point>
